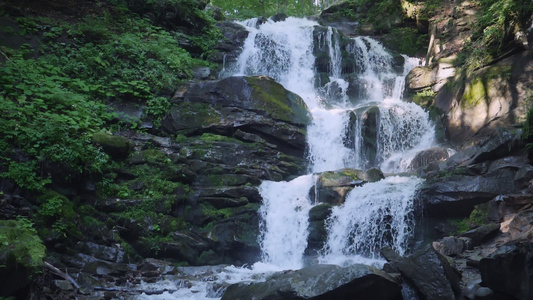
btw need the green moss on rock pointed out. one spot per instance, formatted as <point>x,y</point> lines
<point>278,102</point>
<point>22,255</point>
<point>116,146</point>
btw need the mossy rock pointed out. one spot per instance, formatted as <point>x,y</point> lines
<point>278,102</point>
<point>116,146</point>
<point>320,212</point>
<point>22,255</point>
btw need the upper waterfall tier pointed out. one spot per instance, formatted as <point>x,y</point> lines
<point>353,87</point>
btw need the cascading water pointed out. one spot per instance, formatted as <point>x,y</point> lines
<point>370,127</point>
<point>359,121</point>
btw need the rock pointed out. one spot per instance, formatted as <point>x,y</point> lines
<point>320,282</point>
<point>508,270</point>
<point>500,143</point>
<point>116,146</point>
<point>280,17</point>
<point>449,246</point>
<point>521,226</point>
<point>201,72</point>
<point>160,267</point>
<point>482,233</point>
<point>63,285</point>
<point>420,78</point>
<point>369,133</point>
<point>428,271</point>
<point>524,176</point>
<point>101,252</point>
<point>252,104</point>
<point>333,186</point>
<point>230,45</point>
<point>185,246</point>
<point>456,195</point>
<point>425,157</point>
<point>320,212</point>
<point>489,98</point>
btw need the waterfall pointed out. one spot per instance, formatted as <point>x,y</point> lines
<point>359,121</point>
<point>374,215</point>
<point>285,217</point>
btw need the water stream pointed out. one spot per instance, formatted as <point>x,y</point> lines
<point>359,121</point>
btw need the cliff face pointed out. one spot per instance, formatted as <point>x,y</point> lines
<point>474,91</point>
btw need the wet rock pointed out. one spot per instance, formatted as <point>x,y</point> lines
<point>333,186</point>
<point>320,282</point>
<point>428,271</point>
<point>425,157</point>
<point>320,212</point>
<point>201,72</point>
<point>279,17</point>
<point>369,133</point>
<point>230,45</point>
<point>160,267</point>
<point>509,270</point>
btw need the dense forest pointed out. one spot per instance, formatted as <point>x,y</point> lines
<point>86,91</point>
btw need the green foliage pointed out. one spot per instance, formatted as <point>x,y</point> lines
<point>57,212</point>
<point>407,40</point>
<point>19,240</point>
<point>157,108</point>
<point>424,98</point>
<point>495,29</point>
<point>245,9</point>
<point>479,216</point>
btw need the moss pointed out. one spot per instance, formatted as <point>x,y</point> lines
<point>19,241</point>
<point>279,103</point>
<point>112,144</point>
<point>479,216</point>
<point>57,217</point>
<point>424,98</point>
<point>194,115</point>
<point>478,87</point>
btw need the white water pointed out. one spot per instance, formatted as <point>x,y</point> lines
<point>374,215</point>
<point>285,213</point>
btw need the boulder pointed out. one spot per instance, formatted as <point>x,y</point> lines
<point>333,186</point>
<point>229,47</point>
<point>111,254</point>
<point>450,246</point>
<point>258,105</point>
<point>320,282</point>
<point>508,270</point>
<point>116,146</point>
<point>489,98</point>
<point>500,143</point>
<point>482,233</point>
<point>317,227</point>
<point>420,78</point>
<point>456,195</point>
<point>425,157</point>
<point>521,226</point>
<point>428,272</point>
